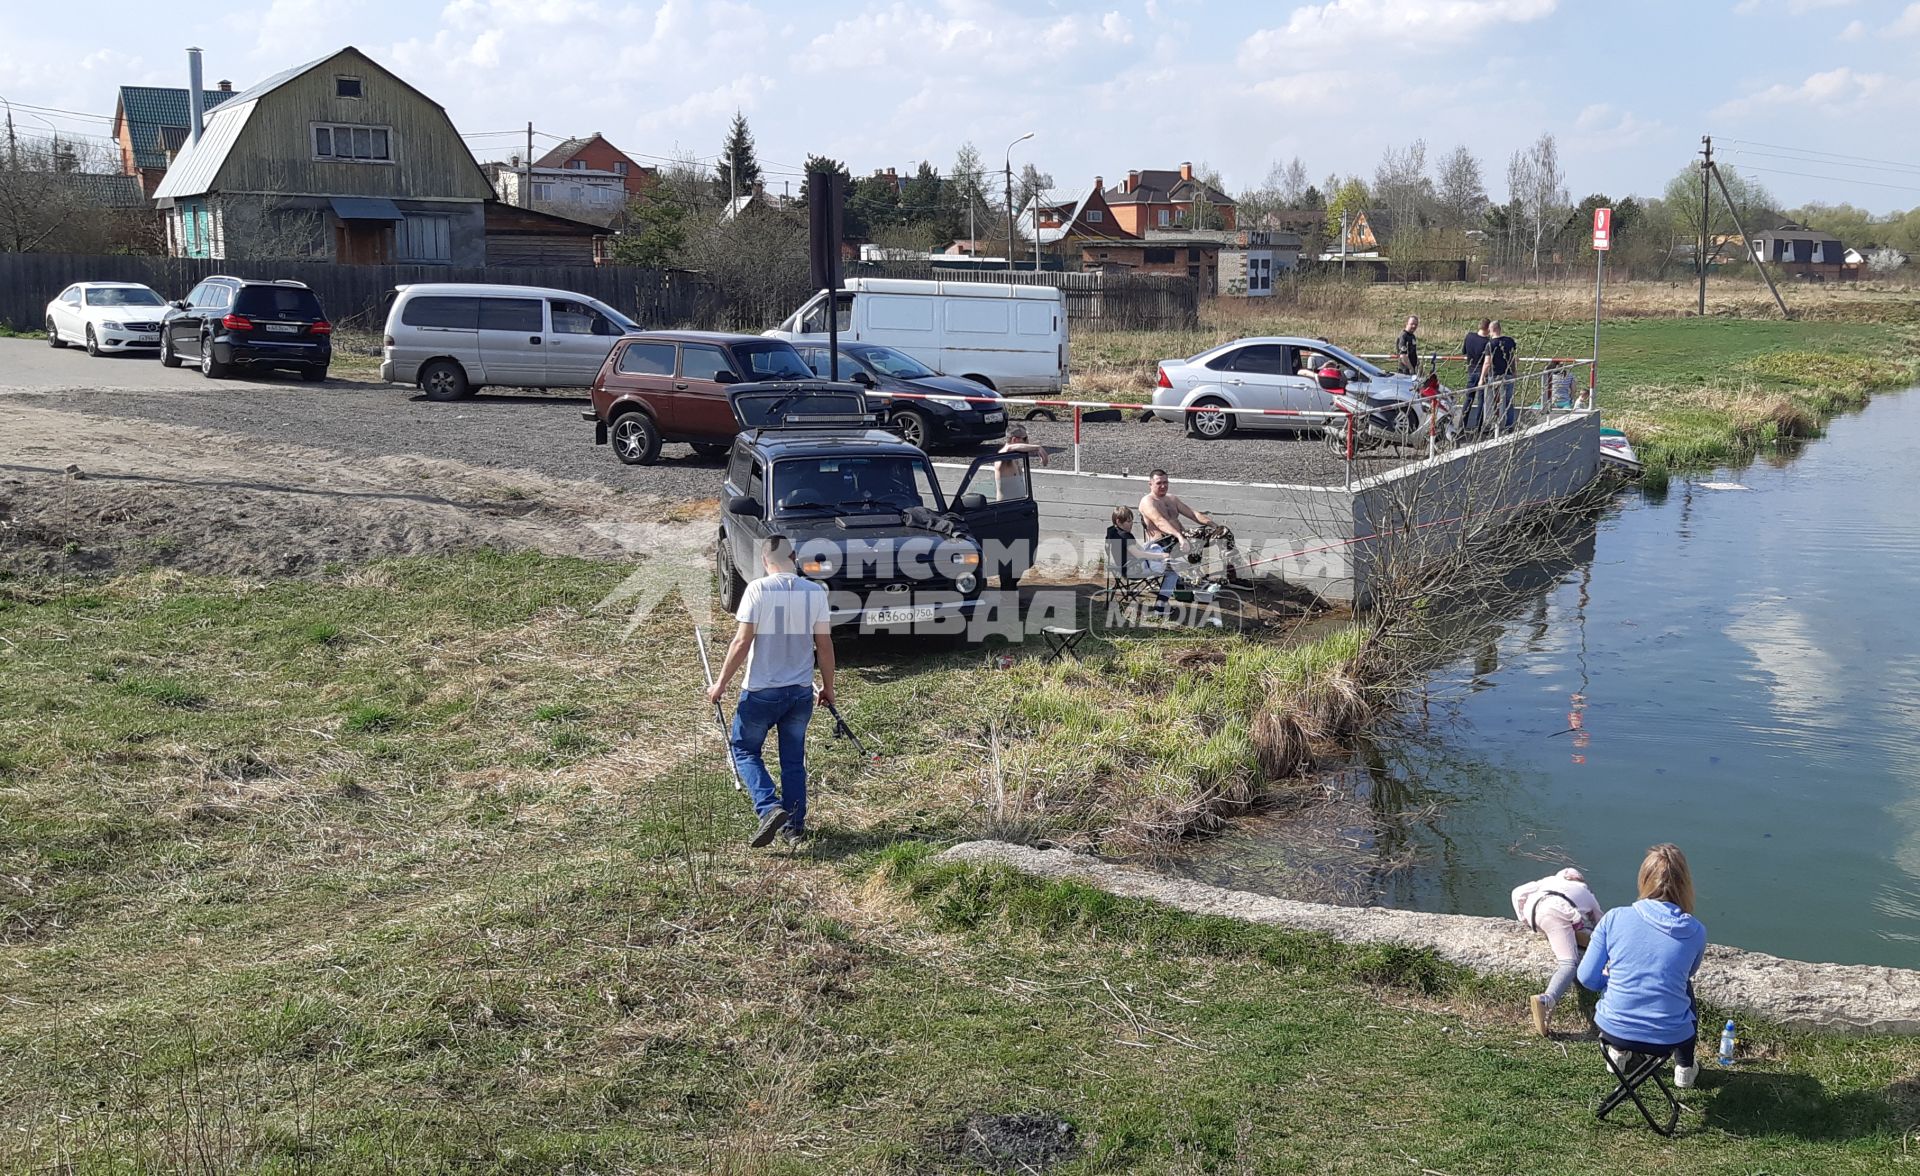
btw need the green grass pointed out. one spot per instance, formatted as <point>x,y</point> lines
<point>516,929</point>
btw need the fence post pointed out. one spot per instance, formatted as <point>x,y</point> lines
<point>1076,438</point>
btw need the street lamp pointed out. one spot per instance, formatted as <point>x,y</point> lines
<point>1036,215</point>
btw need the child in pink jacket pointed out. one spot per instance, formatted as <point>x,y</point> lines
<point>1562,908</point>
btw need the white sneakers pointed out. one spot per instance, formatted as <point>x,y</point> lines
<point>1683,1076</point>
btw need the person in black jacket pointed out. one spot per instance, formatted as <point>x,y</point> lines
<point>1475,349</point>
<point>1407,347</point>
<point>1497,369</point>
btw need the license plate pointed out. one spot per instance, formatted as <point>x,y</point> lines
<point>282,328</point>
<point>994,418</point>
<point>901,616</point>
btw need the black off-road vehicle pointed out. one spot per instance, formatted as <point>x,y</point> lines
<point>865,511</point>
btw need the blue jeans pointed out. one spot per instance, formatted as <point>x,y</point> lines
<point>789,708</point>
<point>1171,580</point>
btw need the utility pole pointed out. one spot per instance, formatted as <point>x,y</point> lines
<point>1706,211</point>
<point>526,195</point>
<point>1343,242</point>
<point>1036,219</point>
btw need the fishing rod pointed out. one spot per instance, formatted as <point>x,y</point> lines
<point>719,716</point>
<point>842,730</point>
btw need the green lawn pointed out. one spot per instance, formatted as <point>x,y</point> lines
<point>425,867</point>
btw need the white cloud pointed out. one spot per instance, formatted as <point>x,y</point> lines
<point>1907,23</point>
<point>1599,127</point>
<point>1349,26</point>
<point>1828,92</point>
<point>1796,7</point>
<point>1115,27</point>
<point>1854,31</point>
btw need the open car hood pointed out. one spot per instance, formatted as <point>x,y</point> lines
<point>774,404</point>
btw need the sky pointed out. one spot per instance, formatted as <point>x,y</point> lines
<point>1815,98</point>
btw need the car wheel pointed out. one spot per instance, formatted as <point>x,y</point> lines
<point>444,379</point>
<point>313,375</point>
<point>53,336</point>
<point>1041,414</point>
<point>210,367</point>
<point>635,440</point>
<point>167,357</point>
<point>732,587</point>
<point>912,426</point>
<point>1335,436</point>
<point>93,344</point>
<point>1210,426</point>
<point>980,380</point>
<point>711,449</point>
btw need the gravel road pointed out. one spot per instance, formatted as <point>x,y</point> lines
<point>545,434</point>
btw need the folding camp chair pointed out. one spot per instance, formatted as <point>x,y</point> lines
<point>1130,584</point>
<point>1630,1076</point>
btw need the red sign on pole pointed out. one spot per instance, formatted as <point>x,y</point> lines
<point>1602,229</point>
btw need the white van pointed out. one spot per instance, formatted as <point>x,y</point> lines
<point>1013,339</point>
<point>452,339</point>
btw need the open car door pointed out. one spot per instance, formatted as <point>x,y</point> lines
<point>799,404</point>
<point>995,500</point>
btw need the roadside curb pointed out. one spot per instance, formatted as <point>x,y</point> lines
<point>1835,998</point>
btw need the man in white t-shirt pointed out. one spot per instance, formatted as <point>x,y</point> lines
<point>784,632</point>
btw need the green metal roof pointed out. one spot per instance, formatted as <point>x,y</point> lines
<point>148,108</point>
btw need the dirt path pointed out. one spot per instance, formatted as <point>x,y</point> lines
<point>150,494</point>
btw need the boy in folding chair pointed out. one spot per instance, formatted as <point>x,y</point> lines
<point>1641,961</point>
<point>1132,567</point>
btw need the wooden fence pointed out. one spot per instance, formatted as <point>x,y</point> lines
<point>357,296</point>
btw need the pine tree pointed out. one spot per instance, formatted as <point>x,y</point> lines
<point>737,171</point>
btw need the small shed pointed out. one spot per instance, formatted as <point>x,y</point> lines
<point>525,236</point>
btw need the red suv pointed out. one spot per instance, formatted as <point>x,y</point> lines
<point>672,386</point>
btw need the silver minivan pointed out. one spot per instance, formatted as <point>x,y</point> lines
<point>453,339</point>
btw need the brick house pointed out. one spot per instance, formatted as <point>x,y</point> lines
<point>1171,200</point>
<point>151,124</point>
<point>1059,226</point>
<point>595,154</point>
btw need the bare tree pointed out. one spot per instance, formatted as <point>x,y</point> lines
<point>1289,184</point>
<point>1401,185</point>
<point>54,198</point>
<point>1536,184</point>
<point>1460,195</point>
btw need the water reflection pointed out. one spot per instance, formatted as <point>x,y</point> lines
<point>1736,671</point>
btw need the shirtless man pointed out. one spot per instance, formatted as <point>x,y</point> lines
<point>1010,476</point>
<point>1161,512</point>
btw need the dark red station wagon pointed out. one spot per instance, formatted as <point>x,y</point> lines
<point>661,386</point>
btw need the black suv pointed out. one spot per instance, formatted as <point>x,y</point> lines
<point>865,511</point>
<point>227,323</point>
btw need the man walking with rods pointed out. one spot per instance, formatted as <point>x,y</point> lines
<point>784,634</point>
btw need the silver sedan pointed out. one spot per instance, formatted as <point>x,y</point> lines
<point>1265,373</point>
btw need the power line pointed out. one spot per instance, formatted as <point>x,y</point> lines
<point>1901,171</point>
<point>1831,179</point>
<point>1829,154</point>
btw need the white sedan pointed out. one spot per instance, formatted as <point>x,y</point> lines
<point>106,316</point>
<point>1269,373</point>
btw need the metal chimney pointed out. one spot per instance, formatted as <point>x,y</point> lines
<point>196,96</point>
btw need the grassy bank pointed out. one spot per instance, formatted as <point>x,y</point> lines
<point>425,867</point>
<point>1692,392</point>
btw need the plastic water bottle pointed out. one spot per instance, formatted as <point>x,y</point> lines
<point>1727,1040</point>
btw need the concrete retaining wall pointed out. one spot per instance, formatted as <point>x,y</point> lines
<point>1305,534</point>
<point>1847,998</point>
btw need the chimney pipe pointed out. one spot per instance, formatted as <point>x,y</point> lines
<point>195,97</point>
<point>1133,181</point>
<point>1099,183</point>
<point>224,86</point>
<point>1186,171</point>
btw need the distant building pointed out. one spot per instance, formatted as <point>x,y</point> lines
<point>151,124</point>
<point>1252,258</point>
<point>1060,226</point>
<point>336,160</point>
<point>595,154</point>
<point>575,193</point>
<point>1805,253</point>
<point>1170,200</point>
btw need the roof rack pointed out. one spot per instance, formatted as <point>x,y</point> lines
<point>289,282</point>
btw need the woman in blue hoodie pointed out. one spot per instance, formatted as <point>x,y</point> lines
<point>1641,962</point>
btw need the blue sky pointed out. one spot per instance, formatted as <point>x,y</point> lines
<point>1628,88</point>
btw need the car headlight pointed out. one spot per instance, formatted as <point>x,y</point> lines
<point>110,325</point>
<point>817,566</point>
<point>967,583</point>
<point>964,561</point>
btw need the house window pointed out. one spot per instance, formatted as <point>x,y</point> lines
<point>619,167</point>
<point>346,87</point>
<point>577,164</point>
<point>1095,216</point>
<point>427,238</point>
<point>1165,218</point>
<point>1179,216</point>
<point>543,191</point>
<point>352,144</point>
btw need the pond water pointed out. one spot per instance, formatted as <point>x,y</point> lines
<point>1733,666</point>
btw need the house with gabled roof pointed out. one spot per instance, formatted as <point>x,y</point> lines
<point>339,159</point>
<point>594,154</point>
<point>1153,199</point>
<point>1089,218</point>
<point>151,124</point>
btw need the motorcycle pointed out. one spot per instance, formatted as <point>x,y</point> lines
<point>1386,420</point>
